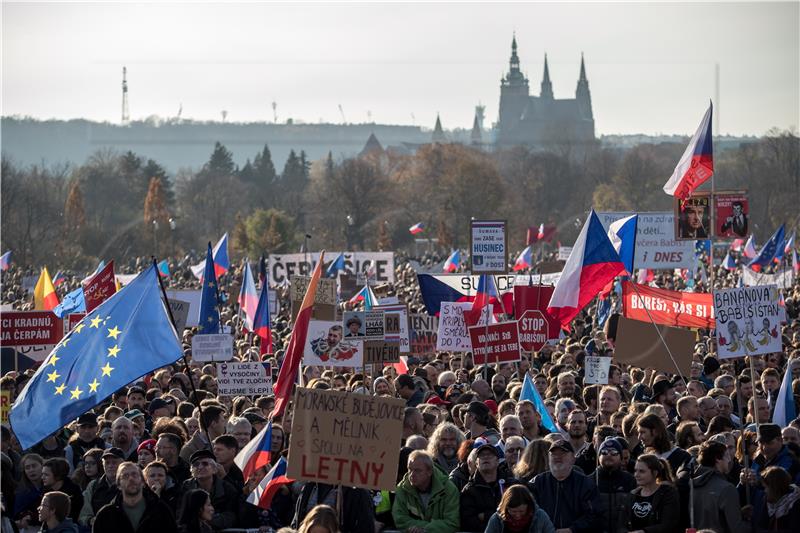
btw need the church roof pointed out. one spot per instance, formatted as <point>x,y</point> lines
<point>373,146</point>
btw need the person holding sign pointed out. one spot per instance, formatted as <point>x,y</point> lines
<point>426,500</point>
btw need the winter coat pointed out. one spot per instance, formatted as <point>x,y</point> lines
<point>460,476</point>
<point>785,515</point>
<point>784,459</point>
<point>98,493</point>
<point>716,501</point>
<point>481,497</point>
<point>67,526</point>
<point>666,516</point>
<point>541,523</point>
<point>156,517</point>
<point>441,513</point>
<point>225,499</point>
<point>615,497</point>
<point>572,503</point>
<point>358,509</point>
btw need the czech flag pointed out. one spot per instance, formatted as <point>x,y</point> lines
<point>453,262</point>
<point>365,295</point>
<point>737,244</point>
<point>256,453</point>
<point>487,289</point>
<point>265,491</point>
<point>221,262</point>
<point>248,297</point>
<point>592,263</point>
<point>436,289</point>
<point>524,260</point>
<point>729,263</point>
<point>785,410</point>
<point>59,278</point>
<point>622,234</point>
<point>697,163</point>
<point>294,352</point>
<point>97,270</point>
<point>773,248</point>
<point>417,228</point>
<point>163,268</point>
<point>750,248</point>
<point>5,260</point>
<point>262,322</point>
<point>44,294</point>
<point>789,244</point>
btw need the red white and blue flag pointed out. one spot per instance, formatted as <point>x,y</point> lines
<point>524,260</point>
<point>417,228</point>
<point>771,250</point>
<point>163,268</point>
<point>697,163</point>
<point>436,289</point>
<point>729,263</point>
<point>453,262</point>
<point>265,491</point>
<point>221,262</point>
<point>592,263</point>
<point>487,291</point>
<point>59,278</point>
<point>248,297</point>
<point>789,244</point>
<point>256,454</point>
<point>5,260</point>
<point>365,295</point>
<point>750,248</point>
<point>262,322</point>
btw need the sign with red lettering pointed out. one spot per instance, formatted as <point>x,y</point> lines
<point>345,438</point>
<point>72,320</point>
<point>670,308</point>
<point>534,331</point>
<point>30,328</point>
<point>100,288</point>
<point>535,298</point>
<point>498,342</point>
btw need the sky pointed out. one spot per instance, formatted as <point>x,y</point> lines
<point>651,66</point>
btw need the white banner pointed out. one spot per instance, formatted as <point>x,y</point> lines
<point>563,252</point>
<point>287,265</point>
<point>326,346</point>
<point>244,379</point>
<point>191,296</point>
<point>596,369</point>
<point>748,321</point>
<point>783,279</point>
<point>656,247</point>
<point>396,324</point>
<point>212,347</point>
<point>453,335</point>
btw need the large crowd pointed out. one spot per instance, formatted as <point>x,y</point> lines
<point>647,452</point>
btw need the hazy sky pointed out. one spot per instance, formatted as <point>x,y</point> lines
<point>650,66</point>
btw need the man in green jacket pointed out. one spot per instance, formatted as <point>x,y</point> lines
<point>426,500</point>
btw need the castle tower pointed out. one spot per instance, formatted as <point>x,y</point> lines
<point>438,132</point>
<point>514,92</point>
<point>547,86</point>
<point>475,136</point>
<point>582,94</point>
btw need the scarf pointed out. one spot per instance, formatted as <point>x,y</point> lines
<point>782,507</point>
<point>519,525</point>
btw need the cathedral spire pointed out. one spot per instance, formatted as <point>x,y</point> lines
<point>583,70</point>
<point>475,135</point>
<point>438,132</point>
<point>547,86</point>
<point>513,62</point>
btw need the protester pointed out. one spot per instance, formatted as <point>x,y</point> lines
<point>102,490</point>
<point>481,495</point>
<point>224,496</point>
<point>321,519</point>
<point>426,500</point>
<point>655,507</point>
<point>55,477</point>
<point>518,512</point>
<point>782,511</point>
<point>196,512</point>
<point>54,513</point>
<point>614,485</point>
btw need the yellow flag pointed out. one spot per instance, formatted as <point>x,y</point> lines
<point>44,294</point>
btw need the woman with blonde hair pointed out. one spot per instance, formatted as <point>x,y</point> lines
<point>320,519</point>
<point>533,460</point>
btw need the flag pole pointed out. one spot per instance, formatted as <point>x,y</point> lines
<point>739,399</point>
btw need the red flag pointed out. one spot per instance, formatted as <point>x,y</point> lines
<point>100,287</point>
<point>294,353</point>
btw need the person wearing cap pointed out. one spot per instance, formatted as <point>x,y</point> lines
<point>158,408</point>
<point>481,495</point>
<point>426,500</point>
<point>83,440</point>
<point>146,452</point>
<point>614,485</point>
<point>664,395</point>
<point>569,497</point>
<point>101,491</point>
<point>224,496</point>
<point>479,423</point>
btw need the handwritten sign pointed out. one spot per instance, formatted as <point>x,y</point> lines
<point>5,405</point>
<point>379,352</point>
<point>212,347</point>
<point>496,343</point>
<point>345,438</point>
<point>326,290</point>
<point>244,379</point>
<point>453,335</point>
<point>423,333</point>
<point>748,321</point>
<point>596,369</point>
<point>396,321</point>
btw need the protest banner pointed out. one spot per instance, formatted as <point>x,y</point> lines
<point>534,330</point>
<point>637,343</point>
<point>396,320</point>
<point>5,405</point>
<point>100,287</point>
<point>342,438</point>
<point>671,308</point>
<point>379,352</point>
<point>748,321</point>
<point>563,252</point>
<point>693,217</point>
<point>72,320</point>
<point>191,296</point>
<point>324,299</point>
<point>468,284</point>
<point>30,328</point>
<point>731,215</point>
<point>212,347</point>
<point>180,312</point>
<point>488,244</point>
<point>496,343</point>
<point>326,346</point>
<point>286,266</point>
<point>534,298</point>
<point>656,247</point>
<point>366,325</point>
<point>423,332</point>
<point>596,369</point>
<point>244,379</point>
<point>272,299</point>
<point>783,279</point>
<point>452,335</point>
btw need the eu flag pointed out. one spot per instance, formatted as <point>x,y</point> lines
<point>209,315</point>
<point>126,337</point>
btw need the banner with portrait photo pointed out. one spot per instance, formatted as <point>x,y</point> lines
<point>692,217</point>
<point>327,346</point>
<point>731,215</point>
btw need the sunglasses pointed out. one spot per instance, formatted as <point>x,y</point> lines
<point>609,452</point>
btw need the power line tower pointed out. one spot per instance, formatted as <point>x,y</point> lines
<point>126,116</point>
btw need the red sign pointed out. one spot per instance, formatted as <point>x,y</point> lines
<point>732,218</point>
<point>533,331</point>
<point>535,298</point>
<point>72,320</point>
<point>498,342</point>
<point>100,288</point>
<point>30,328</point>
<point>670,308</point>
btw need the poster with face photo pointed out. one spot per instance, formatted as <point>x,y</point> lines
<point>692,217</point>
<point>731,215</point>
<point>327,346</point>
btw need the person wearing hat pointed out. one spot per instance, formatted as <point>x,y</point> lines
<point>353,326</point>
<point>146,452</point>
<point>101,491</point>
<point>83,440</point>
<point>614,485</point>
<point>481,495</point>
<point>479,423</point>
<point>569,497</point>
<point>664,394</point>
<point>224,496</point>
<point>158,408</point>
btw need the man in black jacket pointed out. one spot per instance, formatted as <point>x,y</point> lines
<point>224,496</point>
<point>481,495</point>
<point>568,497</point>
<point>614,485</point>
<point>358,510</point>
<point>135,508</point>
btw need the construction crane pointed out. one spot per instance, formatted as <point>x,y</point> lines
<point>180,112</point>
<point>275,111</point>
<point>126,116</point>
<point>341,112</point>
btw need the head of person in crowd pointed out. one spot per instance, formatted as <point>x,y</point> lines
<point>533,461</point>
<point>650,470</point>
<point>688,410</point>
<point>653,433</point>
<point>516,508</point>
<point>564,406</point>
<point>146,452</point>
<point>167,448</point>
<point>708,408</point>
<point>510,426</point>
<point>54,510</point>
<point>155,476</point>
<point>122,433</point>
<point>689,434</point>
<point>716,455</point>
<point>32,471</point>
<point>664,393</point>
<point>320,519</point>
<point>212,421</point>
<point>791,436</point>
<point>487,461</point>
<point>760,407</point>
<point>445,441</point>
<point>203,466</point>
<point>112,458</point>
<point>777,483</point>
<point>405,386</point>
<point>136,399</point>
<point>159,408</point>
<point>609,454</point>
<point>241,429</point>
<point>770,440</point>
<point>608,401</point>
<point>528,416</point>
<point>87,427</point>
<point>561,459</point>
<point>196,510</point>
<point>514,446</point>
<point>90,467</point>
<point>55,472</point>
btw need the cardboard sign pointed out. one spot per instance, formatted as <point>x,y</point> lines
<point>345,438</point>
<point>180,312</point>
<point>326,346</point>
<point>272,298</point>
<point>379,352</point>
<point>638,344</point>
<point>193,297</point>
<point>424,329</point>
<point>693,217</point>
<point>731,215</point>
<point>452,335</point>
<point>748,321</point>
<point>534,298</point>
<point>596,369</point>
<point>656,247</point>
<point>72,320</point>
<point>671,308</point>
<point>100,287</point>
<point>496,343</point>
<point>326,290</point>
<point>396,321</point>
<point>534,330</point>
<point>286,266</point>
<point>488,247</point>
<point>30,328</point>
<point>5,405</point>
<point>212,347</point>
<point>244,379</point>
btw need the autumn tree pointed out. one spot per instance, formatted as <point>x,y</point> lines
<point>74,211</point>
